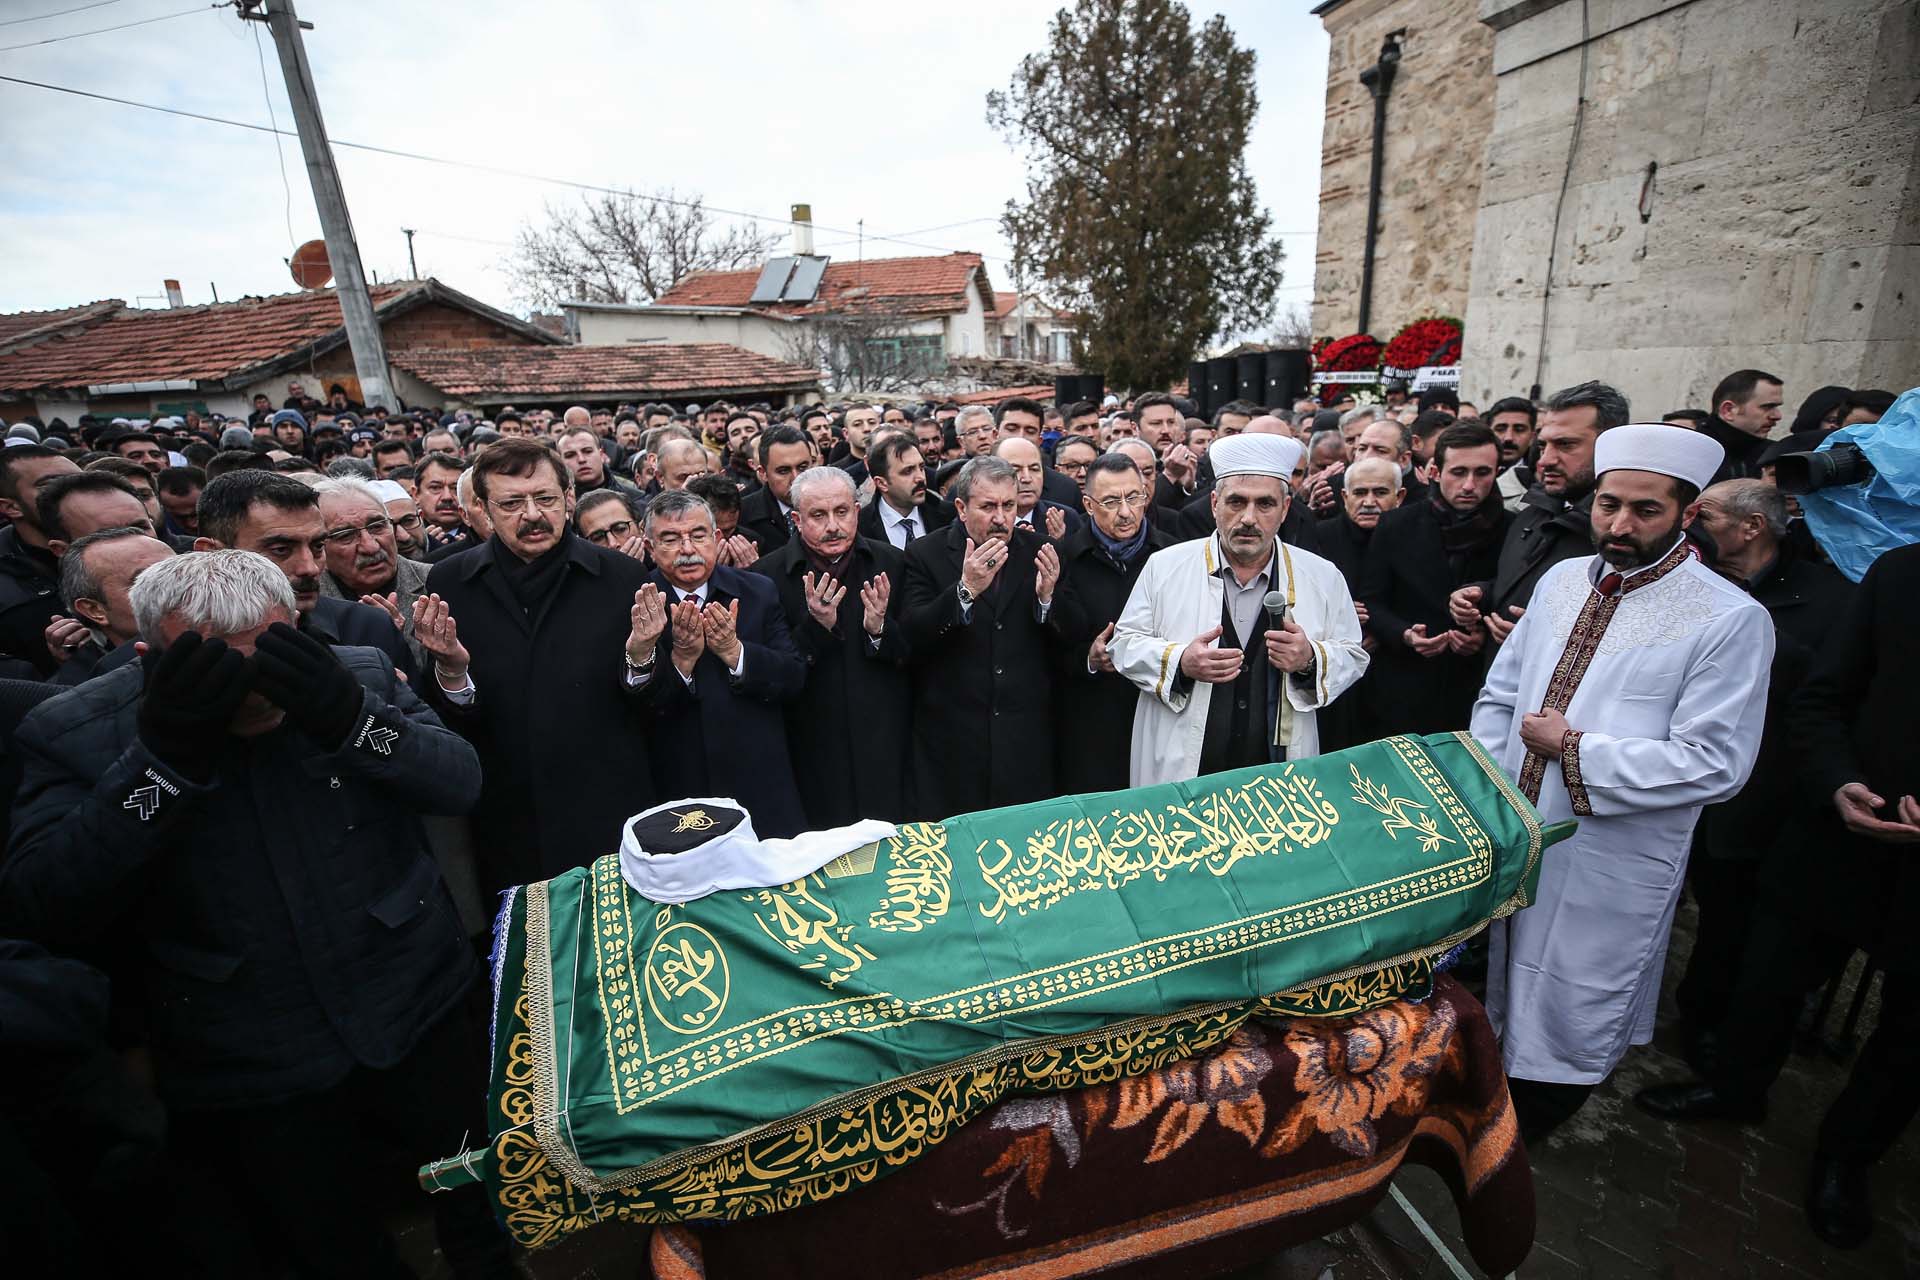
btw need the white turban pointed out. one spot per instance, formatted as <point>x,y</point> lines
<point>1249,454</point>
<point>1659,448</point>
<point>390,491</point>
<point>688,849</point>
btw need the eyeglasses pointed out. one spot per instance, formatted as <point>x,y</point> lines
<point>409,523</point>
<point>673,541</point>
<point>377,526</point>
<point>1072,468</point>
<point>546,503</point>
<point>618,531</point>
<point>1131,501</point>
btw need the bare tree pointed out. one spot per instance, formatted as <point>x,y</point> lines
<point>1292,328</point>
<point>868,349</point>
<point>629,247</point>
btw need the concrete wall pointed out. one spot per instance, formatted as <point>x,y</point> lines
<point>760,334</point>
<point>1438,115</point>
<point>1781,230</point>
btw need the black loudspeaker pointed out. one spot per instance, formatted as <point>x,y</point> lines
<point>1221,382</point>
<point>1286,378</point>
<point>1093,387</point>
<point>1197,388</point>
<point>1250,382</point>
<point>1066,389</point>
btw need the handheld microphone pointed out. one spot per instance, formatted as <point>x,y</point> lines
<point>1276,606</point>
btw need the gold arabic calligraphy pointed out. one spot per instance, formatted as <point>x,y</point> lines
<point>802,923</point>
<point>1269,815</point>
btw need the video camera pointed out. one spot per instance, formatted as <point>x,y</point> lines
<point>1844,463</point>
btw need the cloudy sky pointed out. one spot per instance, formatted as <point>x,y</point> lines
<point>867,109</point>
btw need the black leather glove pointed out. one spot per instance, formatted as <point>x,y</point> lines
<point>193,687</point>
<point>302,676</point>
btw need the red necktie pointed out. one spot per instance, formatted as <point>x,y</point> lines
<point>1610,584</point>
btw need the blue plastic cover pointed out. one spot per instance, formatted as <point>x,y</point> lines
<point>1857,523</point>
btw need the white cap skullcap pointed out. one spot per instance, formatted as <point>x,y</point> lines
<point>390,491</point>
<point>1248,454</point>
<point>1659,448</point>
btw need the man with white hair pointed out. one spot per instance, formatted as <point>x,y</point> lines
<point>362,556</point>
<point>1631,693</point>
<point>1235,640</point>
<point>232,819</point>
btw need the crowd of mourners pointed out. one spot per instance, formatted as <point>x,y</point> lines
<point>289,698</point>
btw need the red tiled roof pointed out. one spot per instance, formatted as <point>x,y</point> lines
<point>994,395</point>
<point>1003,305</point>
<point>601,370</point>
<point>899,286</point>
<point>204,343</point>
<point>27,326</point>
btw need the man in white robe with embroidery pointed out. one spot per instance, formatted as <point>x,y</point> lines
<point>1222,686</point>
<point>1630,695</point>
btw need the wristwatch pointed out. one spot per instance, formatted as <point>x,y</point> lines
<point>966,596</point>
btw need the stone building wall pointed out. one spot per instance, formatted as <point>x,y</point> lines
<point>1438,116</point>
<point>1779,230</point>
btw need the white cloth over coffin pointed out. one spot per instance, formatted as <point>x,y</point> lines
<point>1178,597</point>
<point>737,858</point>
<point>1671,710</point>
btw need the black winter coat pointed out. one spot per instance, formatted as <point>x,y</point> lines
<point>1093,712</point>
<point>983,687</point>
<point>562,739</point>
<point>851,727</point>
<point>1853,721</point>
<point>1544,532</point>
<point>29,600</point>
<point>727,736</point>
<point>1405,581</point>
<point>282,923</point>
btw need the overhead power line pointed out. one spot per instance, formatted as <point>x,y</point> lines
<point>59,13</point>
<point>100,31</point>
<point>477,168</point>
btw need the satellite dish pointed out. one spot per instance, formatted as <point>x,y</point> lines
<point>309,264</point>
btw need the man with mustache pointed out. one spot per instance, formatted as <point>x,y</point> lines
<point>1099,563</point>
<point>1223,683</point>
<point>718,663</point>
<point>1373,487</point>
<point>903,508</point>
<point>977,598</point>
<point>439,499</point>
<point>1630,694</point>
<point>1514,420</point>
<point>850,727</point>
<point>279,517</point>
<point>544,615</point>
<point>1553,523</point>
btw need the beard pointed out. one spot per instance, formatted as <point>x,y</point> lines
<point>1635,553</point>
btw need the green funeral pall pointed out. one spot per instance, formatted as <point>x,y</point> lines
<point>759,1049</point>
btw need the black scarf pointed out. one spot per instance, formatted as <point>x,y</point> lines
<point>1462,533</point>
<point>835,568</point>
<point>534,582</point>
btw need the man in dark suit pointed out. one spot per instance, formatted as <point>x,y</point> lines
<point>903,507</point>
<point>977,598</point>
<point>1051,520</point>
<point>1426,671</point>
<point>1099,563</point>
<point>1555,518</point>
<point>1843,875</point>
<point>279,517</point>
<point>1020,418</point>
<point>765,514</point>
<point>716,664</point>
<point>544,614</point>
<point>850,728</point>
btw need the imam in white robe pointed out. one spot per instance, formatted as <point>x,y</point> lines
<point>1178,596</point>
<point>1667,717</point>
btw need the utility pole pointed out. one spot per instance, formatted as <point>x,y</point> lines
<point>343,251</point>
<point>413,268</point>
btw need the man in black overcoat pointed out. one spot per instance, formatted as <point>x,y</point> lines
<point>558,723</point>
<point>850,727</point>
<point>1099,563</point>
<point>977,598</point>
<point>1426,671</point>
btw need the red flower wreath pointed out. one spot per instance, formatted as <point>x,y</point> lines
<point>1434,340</point>
<point>1355,353</point>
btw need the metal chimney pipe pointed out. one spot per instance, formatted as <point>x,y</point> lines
<point>1379,81</point>
<point>174,297</point>
<point>802,216</point>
